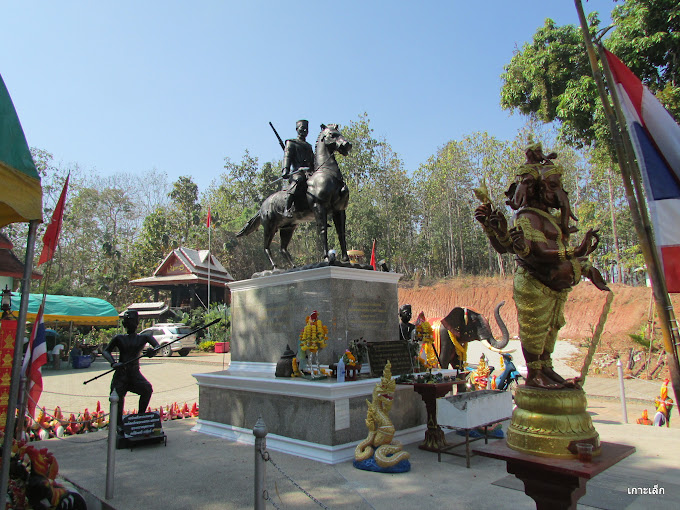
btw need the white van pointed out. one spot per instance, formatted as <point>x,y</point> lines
<point>165,333</point>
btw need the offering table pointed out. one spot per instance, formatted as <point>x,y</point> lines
<point>555,484</point>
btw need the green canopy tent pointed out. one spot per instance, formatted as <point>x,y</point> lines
<point>71,311</point>
<point>81,311</point>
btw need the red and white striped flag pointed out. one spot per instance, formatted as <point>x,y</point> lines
<point>35,358</point>
<point>656,141</point>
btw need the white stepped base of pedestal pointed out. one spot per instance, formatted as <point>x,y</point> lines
<point>317,452</point>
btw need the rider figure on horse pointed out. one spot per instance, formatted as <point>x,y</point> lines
<point>298,164</point>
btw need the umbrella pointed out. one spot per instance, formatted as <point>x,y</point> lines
<point>20,201</point>
<point>21,194</point>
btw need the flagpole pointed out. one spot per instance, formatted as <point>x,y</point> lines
<point>50,243</point>
<point>209,263</point>
<point>659,289</point>
<point>25,379</point>
<point>15,381</point>
<point>636,202</point>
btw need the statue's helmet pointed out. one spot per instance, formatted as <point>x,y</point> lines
<point>302,122</point>
<point>405,310</point>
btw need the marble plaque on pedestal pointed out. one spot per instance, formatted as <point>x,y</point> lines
<point>269,313</point>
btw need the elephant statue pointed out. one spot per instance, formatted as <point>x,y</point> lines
<point>466,326</point>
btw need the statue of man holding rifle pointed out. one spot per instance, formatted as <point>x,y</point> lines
<point>127,376</point>
<point>298,164</point>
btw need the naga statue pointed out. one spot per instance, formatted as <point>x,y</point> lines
<point>379,452</point>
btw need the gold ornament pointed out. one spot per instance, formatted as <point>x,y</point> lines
<point>549,423</point>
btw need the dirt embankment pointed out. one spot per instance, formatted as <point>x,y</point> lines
<point>629,311</point>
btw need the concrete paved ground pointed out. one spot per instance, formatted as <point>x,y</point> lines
<point>171,379</point>
<point>203,472</point>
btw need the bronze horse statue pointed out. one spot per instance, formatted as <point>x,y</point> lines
<point>326,193</point>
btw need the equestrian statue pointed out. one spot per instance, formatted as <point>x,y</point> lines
<point>315,190</point>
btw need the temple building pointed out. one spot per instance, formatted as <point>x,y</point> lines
<point>11,268</point>
<point>184,275</point>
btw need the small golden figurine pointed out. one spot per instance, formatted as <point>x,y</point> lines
<point>480,377</point>
<point>379,452</point>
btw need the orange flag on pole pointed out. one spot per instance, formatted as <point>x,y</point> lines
<point>51,237</point>
<point>375,267</point>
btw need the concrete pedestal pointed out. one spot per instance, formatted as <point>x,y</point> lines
<point>321,420</point>
<point>269,313</point>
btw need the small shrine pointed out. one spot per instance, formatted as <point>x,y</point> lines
<point>186,273</point>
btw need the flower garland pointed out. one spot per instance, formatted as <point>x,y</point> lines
<point>424,335</point>
<point>349,359</point>
<point>314,335</point>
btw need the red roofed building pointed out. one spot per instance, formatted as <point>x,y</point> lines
<point>185,273</point>
<point>11,268</point>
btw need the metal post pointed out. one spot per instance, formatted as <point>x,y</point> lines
<point>624,412</point>
<point>260,433</point>
<point>111,454</point>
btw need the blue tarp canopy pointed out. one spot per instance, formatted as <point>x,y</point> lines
<point>82,311</point>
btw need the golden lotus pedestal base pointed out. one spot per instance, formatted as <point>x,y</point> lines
<point>550,423</point>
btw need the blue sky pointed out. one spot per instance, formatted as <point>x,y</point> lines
<point>177,86</point>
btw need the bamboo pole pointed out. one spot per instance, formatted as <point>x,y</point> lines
<point>636,202</point>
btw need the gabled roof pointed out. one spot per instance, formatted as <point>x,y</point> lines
<point>184,266</point>
<point>10,265</point>
<point>5,243</point>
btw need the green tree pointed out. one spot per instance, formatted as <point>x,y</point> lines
<point>184,196</point>
<point>550,78</point>
<point>156,239</point>
<point>647,40</point>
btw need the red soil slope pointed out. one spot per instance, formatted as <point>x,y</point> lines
<point>629,312</point>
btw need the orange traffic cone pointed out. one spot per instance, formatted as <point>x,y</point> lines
<point>194,410</point>
<point>178,411</point>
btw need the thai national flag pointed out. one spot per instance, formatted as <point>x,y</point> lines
<point>35,358</point>
<point>656,140</point>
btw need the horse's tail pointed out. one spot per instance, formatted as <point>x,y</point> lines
<point>251,226</point>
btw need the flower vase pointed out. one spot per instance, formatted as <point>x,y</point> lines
<point>314,367</point>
